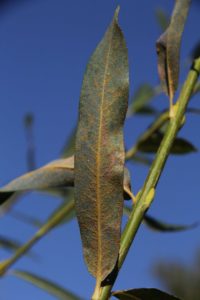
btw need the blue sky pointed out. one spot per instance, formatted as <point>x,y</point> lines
<point>44,49</point>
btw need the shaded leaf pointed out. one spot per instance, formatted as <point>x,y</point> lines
<point>168,48</point>
<point>141,98</point>
<point>180,145</point>
<point>46,285</point>
<point>159,225</point>
<point>195,52</point>
<point>162,18</point>
<point>99,160</point>
<point>28,124</point>
<point>143,294</point>
<point>166,227</point>
<point>59,173</point>
<point>196,88</point>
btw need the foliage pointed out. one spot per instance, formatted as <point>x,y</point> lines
<point>91,178</point>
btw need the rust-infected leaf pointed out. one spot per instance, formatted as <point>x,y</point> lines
<point>59,173</point>
<point>168,48</point>
<point>99,158</point>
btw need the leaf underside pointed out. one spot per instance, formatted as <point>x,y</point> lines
<point>168,48</point>
<point>100,155</point>
<point>57,174</point>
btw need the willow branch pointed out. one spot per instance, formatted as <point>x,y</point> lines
<point>145,197</point>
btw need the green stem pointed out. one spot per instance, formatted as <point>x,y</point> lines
<point>145,197</point>
<point>57,218</point>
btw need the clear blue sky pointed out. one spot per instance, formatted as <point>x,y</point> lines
<point>44,49</point>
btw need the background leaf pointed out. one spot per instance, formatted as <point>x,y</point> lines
<point>180,145</point>
<point>140,100</point>
<point>143,294</point>
<point>47,285</point>
<point>159,225</point>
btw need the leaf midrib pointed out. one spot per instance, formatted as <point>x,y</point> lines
<point>98,159</point>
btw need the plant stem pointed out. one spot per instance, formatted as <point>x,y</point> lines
<point>145,198</point>
<point>57,218</point>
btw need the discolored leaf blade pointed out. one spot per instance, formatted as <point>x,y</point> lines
<point>46,285</point>
<point>59,173</point>
<point>143,294</point>
<point>99,159</point>
<point>168,48</point>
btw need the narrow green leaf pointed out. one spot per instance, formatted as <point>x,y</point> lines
<point>159,225</point>
<point>143,95</point>
<point>162,18</point>
<point>46,285</point>
<point>143,294</point>
<point>59,173</point>
<point>28,124</point>
<point>99,159</point>
<point>168,48</point>
<point>180,145</point>
<point>11,245</point>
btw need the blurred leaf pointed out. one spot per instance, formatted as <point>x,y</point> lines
<point>141,159</point>
<point>196,88</point>
<point>46,285</point>
<point>143,294</point>
<point>99,163</point>
<point>168,48</point>
<point>141,98</point>
<point>158,225</point>
<point>69,147</point>
<point>59,173</point>
<point>195,51</point>
<point>28,124</point>
<point>162,18</point>
<point>12,245</point>
<point>165,227</point>
<point>180,145</point>
<point>25,218</point>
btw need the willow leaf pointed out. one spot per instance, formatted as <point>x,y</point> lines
<point>59,173</point>
<point>159,225</point>
<point>46,285</point>
<point>143,294</point>
<point>12,245</point>
<point>168,48</point>
<point>180,145</point>
<point>162,18</point>
<point>99,159</point>
<point>141,98</point>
